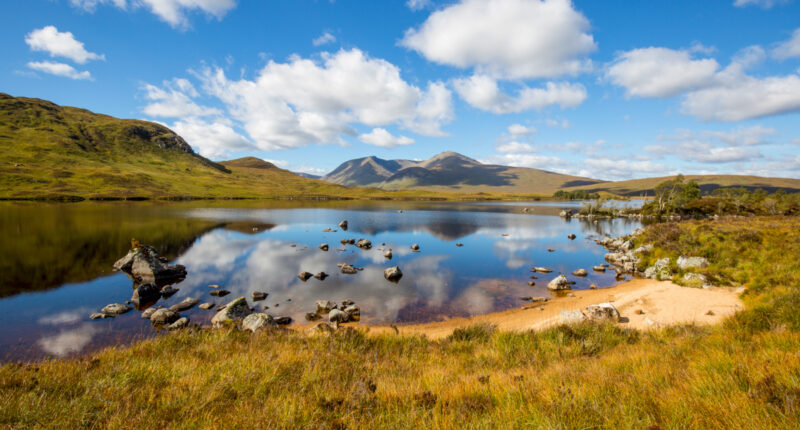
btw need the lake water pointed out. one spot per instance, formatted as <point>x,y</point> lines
<point>56,261</point>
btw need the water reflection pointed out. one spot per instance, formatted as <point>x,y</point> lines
<point>249,249</point>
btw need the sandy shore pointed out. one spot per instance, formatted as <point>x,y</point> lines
<point>643,303</point>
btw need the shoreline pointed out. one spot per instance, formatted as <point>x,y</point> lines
<point>662,304</point>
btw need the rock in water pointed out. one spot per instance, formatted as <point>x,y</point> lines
<point>343,224</point>
<point>115,309</point>
<point>149,312</point>
<point>283,320</point>
<point>168,291</point>
<point>99,316</point>
<point>164,316</point>
<point>599,268</point>
<point>235,310</point>
<point>256,321</point>
<point>325,306</point>
<point>220,293</point>
<point>324,247</point>
<point>180,323</point>
<point>304,276</point>
<point>146,293</point>
<point>313,316</point>
<point>571,236</point>
<point>392,274</point>
<point>541,270</point>
<point>321,276</point>
<point>347,269</point>
<point>143,263</point>
<point>415,247</point>
<point>337,316</point>
<point>206,306</point>
<point>388,254</point>
<point>559,283</point>
<point>185,305</point>
<point>602,311</point>
<point>353,313</point>
<point>580,272</point>
<point>259,295</point>
<point>364,244</point>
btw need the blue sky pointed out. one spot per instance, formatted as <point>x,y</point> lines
<point>610,90</point>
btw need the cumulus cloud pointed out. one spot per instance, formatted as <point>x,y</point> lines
<point>520,130</point>
<point>713,146</point>
<point>789,48</point>
<point>763,4</point>
<point>416,5</point>
<point>324,39</point>
<point>212,139</point>
<point>660,72</point>
<point>60,69</point>
<point>483,92</point>
<point>172,12</point>
<point>381,137</point>
<point>507,38</point>
<point>743,136</point>
<point>59,44</point>
<point>515,147</point>
<point>175,101</point>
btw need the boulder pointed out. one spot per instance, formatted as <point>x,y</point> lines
<point>343,224</point>
<point>180,323</point>
<point>313,316</point>
<point>692,262</point>
<point>235,310</point>
<point>392,274</point>
<point>185,305</point>
<point>602,311</point>
<point>580,272</point>
<point>164,316</point>
<point>324,247</point>
<point>321,276</point>
<point>337,316</point>
<point>364,244</point>
<point>572,317</point>
<point>168,291</point>
<point>694,279</point>
<point>115,309</point>
<point>304,276</point>
<point>256,321</point>
<point>283,320</point>
<point>259,295</point>
<point>325,306</point>
<point>353,313</point>
<point>142,263</point>
<point>347,269</point>
<point>146,293</point>
<point>559,283</point>
<point>149,312</point>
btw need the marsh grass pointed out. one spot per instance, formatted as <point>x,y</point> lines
<point>742,374</point>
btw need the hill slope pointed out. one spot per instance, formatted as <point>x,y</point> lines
<point>708,183</point>
<point>450,171</point>
<point>51,151</point>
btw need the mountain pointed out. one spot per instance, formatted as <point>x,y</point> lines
<point>450,171</point>
<point>59,152</point>
<point>708,183</point>
<point>307,175</point>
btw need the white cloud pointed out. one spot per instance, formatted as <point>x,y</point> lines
<point>59,44</point>
<point>171,11</point>
<point>305,102</point>
<point>660,72</point>
<point>789,48</point>
<point>743,136</point>
<point>60,69</point>
<point>556,123</point>
<point>764,4</point>
<point>616,169</point>
<point>507,38</point>
<point>482,92</point>
<point>687,145</point>
<point>416,5</point>
<point>520,130</point>
<point>175,101</point>
<point>515,147</point>
<point>381,137</point>
<point>213,139</point>
<point>535,161</point>
<point>325,38</point>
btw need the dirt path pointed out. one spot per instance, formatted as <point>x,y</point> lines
<point>660,303</point>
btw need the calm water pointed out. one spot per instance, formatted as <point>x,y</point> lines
<point>55,261</point>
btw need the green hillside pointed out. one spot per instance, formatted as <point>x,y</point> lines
<point>708,183</point>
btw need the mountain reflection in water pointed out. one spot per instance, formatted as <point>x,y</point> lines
<point>57,268</point>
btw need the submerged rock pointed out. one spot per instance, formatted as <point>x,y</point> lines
<point>115,309</point>
<point>146,293</point>
<point>185,305</point>
<point>542,270</point>
<point>143,263</point>
<point>99,316</point>
<point>235,310</point>
<point>559,283</point>
<point>164,316</point>
<point>168,291</point>
<point>600,268</point>
<point>393,274</point>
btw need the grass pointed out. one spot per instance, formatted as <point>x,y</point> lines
<point>708,183</point>
<point>742,374</point>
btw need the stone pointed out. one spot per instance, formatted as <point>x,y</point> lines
<point>259,296</point>
<point>256,321</point>
<point>364,244</point>
<point>180,323</point>
<point>234,311</point>
<point>220,293</point>
<point>388,254</point>
<point>346,303</point>
<point>580,272</point>
<point>571,236</point>
<point>572,317</point>
<point>459,244</point>
<point>343,224</point>
<point>347,269</point>
<point>542,269</point>
<point>304,276</point>
<point>531,283</point>
<point>602,311</point>
<point>353,313</point>
<point>337,316</point>
<point>559,283</point>
<point>115,309</point>
<point>164,316</point>
<point>393,274</point>
<point>146,293</point>
<point>593,286</point>
<point>143,263</point>
<point>321,276</point>
<point>99,316</point>
<point>149,312</point>
<point>415,247</point>
<point>694,279</point>
<point>324,247</point>
<point>325,306</point>
<point>329,230</point>
<point>692,262</point>
<point>185,305</point>
<point>551,250</point>
<point>206,306</point>
<point>600,268</point>
<point>322,328</point>
<point>168,291</point>
<point>214,286</point>
<point>283,320</point>
<point>313,316</point>
<point>348,241</point>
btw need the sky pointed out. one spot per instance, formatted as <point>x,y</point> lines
<point>609,89</point>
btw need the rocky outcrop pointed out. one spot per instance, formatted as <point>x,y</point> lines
<point>234,311</point>
<point>143,264</point>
